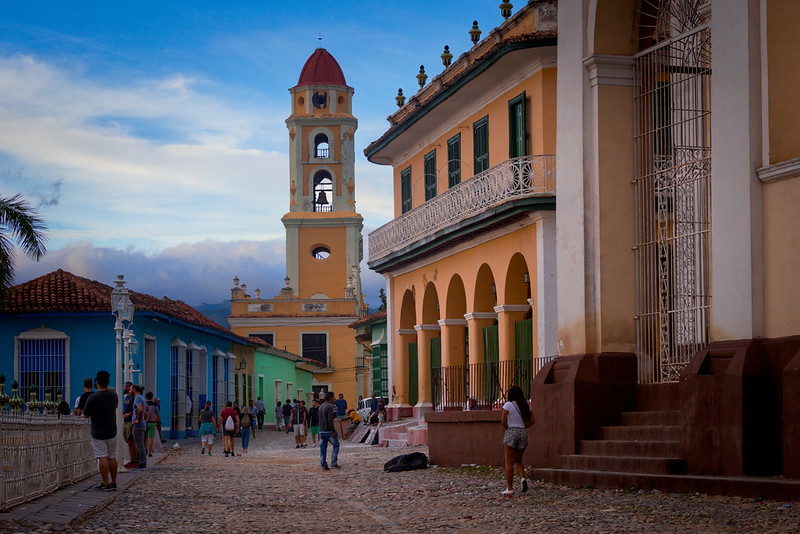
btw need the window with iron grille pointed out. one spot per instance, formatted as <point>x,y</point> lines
<point>480,138</point>
<point>315,346</point>
<point>178,386</point>
<point>43,363</point>
<point>454,160</point>
<point>430,174</point>
<point>405,189</point>
<point>517,134</point>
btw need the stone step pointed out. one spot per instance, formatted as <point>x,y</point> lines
<point>624,464</point>
<point>775,488</point>
<point>659,449</point>
<point>661,418</point>
<point>640,433</point>
<point>394,442</point>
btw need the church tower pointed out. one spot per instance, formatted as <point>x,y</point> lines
<point>322,289</point>
<point>323,230</point>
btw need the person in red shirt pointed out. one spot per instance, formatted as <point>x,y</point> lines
<point>229,429</point>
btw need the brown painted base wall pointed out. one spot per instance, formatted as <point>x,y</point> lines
<point>739,404</point>
<point>471,437</point>
<point>739,408</point>
<point>573,396</point>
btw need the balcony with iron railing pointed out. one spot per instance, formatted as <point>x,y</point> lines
<point>517,179</point>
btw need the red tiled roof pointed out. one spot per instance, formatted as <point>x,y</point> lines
<point>321,69</point>
<point>62,291</point>
<point>369,319</point>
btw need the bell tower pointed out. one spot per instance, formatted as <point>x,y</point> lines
<point>323,230</point>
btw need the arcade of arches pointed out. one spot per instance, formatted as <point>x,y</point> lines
<point>465,309</point>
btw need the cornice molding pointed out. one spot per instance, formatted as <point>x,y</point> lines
<point>452,322</point>
<point>512,308</point>
<point>779,171</point>
<point>480,315</point>
<point>609,70</point>
<point>419,327</point>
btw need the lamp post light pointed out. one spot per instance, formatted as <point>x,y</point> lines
<point>122,309</point>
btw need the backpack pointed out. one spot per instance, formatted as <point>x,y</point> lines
<point>230,424</point>
<point>245,421</point>
<point>406,462</point>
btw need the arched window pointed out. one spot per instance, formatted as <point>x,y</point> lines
<point>321,147</point>
<point>323,191</point>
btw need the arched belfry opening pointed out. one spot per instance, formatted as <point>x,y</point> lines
<point>323,191</point>
<point>321,146</point>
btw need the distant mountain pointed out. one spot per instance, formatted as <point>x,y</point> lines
<point>216,312</point>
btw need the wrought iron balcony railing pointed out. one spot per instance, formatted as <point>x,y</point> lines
<point>527,176</point>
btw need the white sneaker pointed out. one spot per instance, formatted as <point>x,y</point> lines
<point>507,492</point>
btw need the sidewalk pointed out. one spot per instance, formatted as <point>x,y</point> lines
<point>71,502</point>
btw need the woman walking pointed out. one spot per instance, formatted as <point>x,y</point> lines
<point>245,426</point>
<point>516,418</point>
<point>208,428</point>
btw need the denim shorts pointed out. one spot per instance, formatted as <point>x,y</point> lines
<point>516,438</point>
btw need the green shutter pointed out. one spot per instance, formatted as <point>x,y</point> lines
<point>430,175</point>
<point>413,374</point>
<point>436,365</point>
<point>454,160</point>
<point>523,339</point>
<point>480,135</point>
<point>491,344</point>
<point>405,189</point>
<point>517,135</point>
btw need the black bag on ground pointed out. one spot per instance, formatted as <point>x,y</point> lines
<point>406,462</point>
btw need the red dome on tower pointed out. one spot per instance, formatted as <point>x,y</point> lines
<point>321,69</point>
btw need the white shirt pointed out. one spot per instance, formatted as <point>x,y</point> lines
<point>514,415</point>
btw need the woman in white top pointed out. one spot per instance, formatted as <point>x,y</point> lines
<point>517,416</point>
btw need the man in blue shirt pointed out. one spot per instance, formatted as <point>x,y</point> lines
<point>341,406</point>
<point>139,424</point>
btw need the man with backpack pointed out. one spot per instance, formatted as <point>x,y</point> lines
<point>229,423</point>
<point>287,415</point>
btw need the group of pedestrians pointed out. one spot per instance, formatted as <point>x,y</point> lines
<point>317,421</point>
<point>232,422</point>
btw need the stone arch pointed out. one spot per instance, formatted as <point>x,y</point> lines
<point>517,288</point>
<point>322,180</point>
<point>408,312</point>
<point>318,136</point>
<point>484,296</point>
<point>430,305</point>
<point>456,299</point>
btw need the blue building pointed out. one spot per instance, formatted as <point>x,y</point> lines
<point>58,329</point>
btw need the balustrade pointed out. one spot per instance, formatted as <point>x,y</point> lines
<point>527,176</point>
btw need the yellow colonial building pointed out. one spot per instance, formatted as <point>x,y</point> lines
<point>469,258</point>
<point>676,329</point>
<point>322,289</point>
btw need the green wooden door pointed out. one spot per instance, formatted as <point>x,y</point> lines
<point>413,374</point>
<point>436,370</point>
<point>523,353</point>
<point>491,366</point>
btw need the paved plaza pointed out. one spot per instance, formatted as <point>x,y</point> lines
<point>278,488</point>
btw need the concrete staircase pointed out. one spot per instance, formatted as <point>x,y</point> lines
<point>404,433</point>
<point>644,442</point>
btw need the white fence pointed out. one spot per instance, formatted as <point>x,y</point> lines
<point>41,453</point>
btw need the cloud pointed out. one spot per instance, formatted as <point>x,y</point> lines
<point>154,161</point>
<point>195,273</point>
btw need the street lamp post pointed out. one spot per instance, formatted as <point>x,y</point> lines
<point>122,308</point>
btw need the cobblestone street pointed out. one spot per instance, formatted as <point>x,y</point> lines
<point>277,488</point>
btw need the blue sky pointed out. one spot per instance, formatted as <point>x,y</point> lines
<point>151,135</point>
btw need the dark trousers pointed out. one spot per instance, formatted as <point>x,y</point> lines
<point>260,418</point>
<point>139,433</point>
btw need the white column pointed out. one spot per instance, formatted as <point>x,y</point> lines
<point>570,186</point>
<point>736,218</point>
<point>546,284</point>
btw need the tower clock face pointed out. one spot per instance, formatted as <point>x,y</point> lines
<point>320,100</point>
